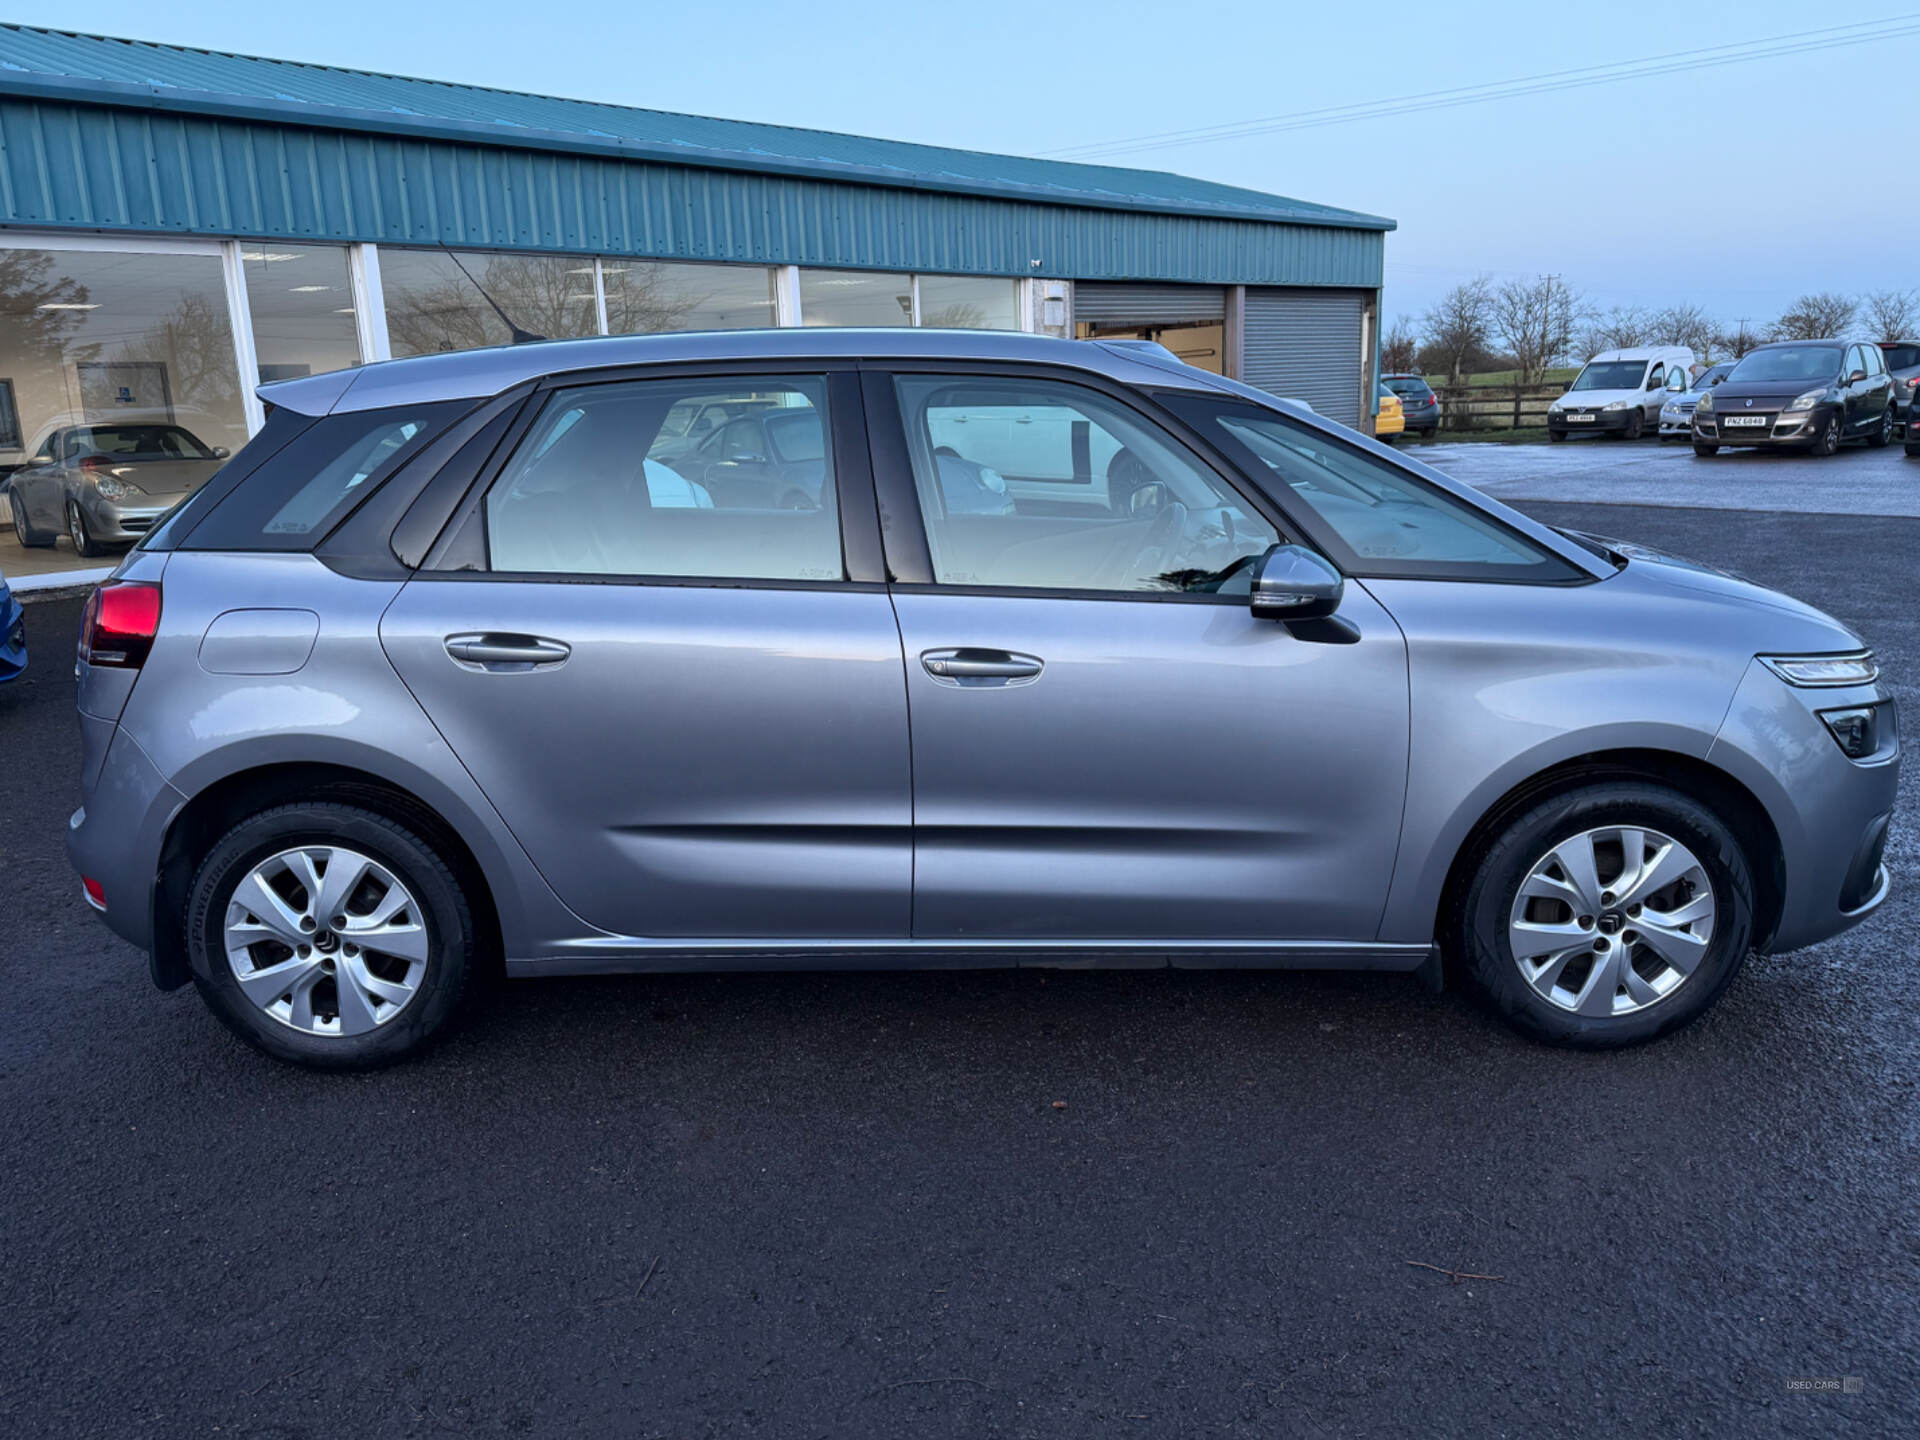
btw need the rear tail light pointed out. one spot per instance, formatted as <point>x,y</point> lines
<point>121,620</point>
<point>96,896</point>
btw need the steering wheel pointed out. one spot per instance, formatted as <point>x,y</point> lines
<point>1169,526</point>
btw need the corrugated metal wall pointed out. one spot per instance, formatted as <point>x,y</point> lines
<point>1149,304</point>
<point>108,168</point>
<point>1306,345</point>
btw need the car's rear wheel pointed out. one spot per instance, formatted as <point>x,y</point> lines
<point>1607,915</point>
<point>1826,440</point>
<point>83,542</point>
<point>1704,450</point>
<point>23,527</point>
<point>329,936</point>
<point>1882,437</point>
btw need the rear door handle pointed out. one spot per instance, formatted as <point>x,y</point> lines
<point>968,666</point>
<point>507,653</point>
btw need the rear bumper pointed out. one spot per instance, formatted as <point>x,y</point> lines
<point>114,838</point>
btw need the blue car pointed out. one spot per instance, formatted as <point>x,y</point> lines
<point>13,634</point>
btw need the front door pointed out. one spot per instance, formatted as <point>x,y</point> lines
<point>688,715</point>
<point>1106,744</point>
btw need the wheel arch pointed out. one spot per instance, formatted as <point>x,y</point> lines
<point>215,809</point>
<point>1746,816</point>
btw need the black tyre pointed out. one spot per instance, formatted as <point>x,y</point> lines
<point>1636,422</point>
<point>1556,435</point>
<point>23,530</point>
<point>329,936</point>
<point>1883,435</point>
<point>1826,440</point>
<point>77,531</point>
<point>1704,450</point>
<point>1576,941</point>
<point>1912,448</point>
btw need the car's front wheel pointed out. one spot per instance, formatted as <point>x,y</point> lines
<point>83,542</point>
<point>1826,440</point>
<point>1704,450</point>
<point>330,936</point>
<point>1606,915</point>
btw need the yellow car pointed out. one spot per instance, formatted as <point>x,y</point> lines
<point>1391,422</point>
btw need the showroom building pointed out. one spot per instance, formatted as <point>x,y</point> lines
<point>178,225</point>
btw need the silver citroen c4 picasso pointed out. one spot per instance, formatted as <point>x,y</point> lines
<point>810,649</point>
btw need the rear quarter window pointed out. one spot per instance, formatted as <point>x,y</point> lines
<point>295,497</point>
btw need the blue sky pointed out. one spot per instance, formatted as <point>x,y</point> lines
<point>1735,188</point>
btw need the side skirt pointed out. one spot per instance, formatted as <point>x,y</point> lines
<point>598,957</point>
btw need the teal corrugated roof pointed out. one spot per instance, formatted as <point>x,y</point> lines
<point>78,68</point>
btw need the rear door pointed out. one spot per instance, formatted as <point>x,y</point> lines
<point>691,714</point>
<point>1106,744</point>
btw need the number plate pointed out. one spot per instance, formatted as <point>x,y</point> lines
<point>1746,420</point>
<point>1579,419</point>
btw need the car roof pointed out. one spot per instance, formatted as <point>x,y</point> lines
<point>1643,352</point>
<point>1820,340</point>
<point>471,374</point>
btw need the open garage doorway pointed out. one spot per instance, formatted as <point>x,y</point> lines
<point>1190,320</point>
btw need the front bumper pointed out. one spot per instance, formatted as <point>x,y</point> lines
<point>1783,429</point>
<point>1603,422</point>
<point>121,522</point>
<point>1831,814</point>
<point>1676,422</point>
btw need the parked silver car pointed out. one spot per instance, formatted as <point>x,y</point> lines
<point>424,682</point>
<point>105,485</point>
<point>1676,415</point>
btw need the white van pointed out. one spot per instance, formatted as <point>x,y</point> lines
<point>1619,392</point>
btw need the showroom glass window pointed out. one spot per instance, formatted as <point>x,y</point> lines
<point>90,337</point>
<point>646,298</point>
<point>302,304</point>
<point>855,297</point>
<point>969,302</point>
<point>440,300</point>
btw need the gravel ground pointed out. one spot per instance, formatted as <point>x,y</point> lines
<point>824,1205</point>
<point>1857,481</point>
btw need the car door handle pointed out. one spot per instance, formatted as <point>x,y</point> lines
<point>965,665</point>
<point>507,652</point>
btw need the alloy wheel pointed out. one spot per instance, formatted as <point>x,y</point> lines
<point>1612,920</point>
<point>326,940</point>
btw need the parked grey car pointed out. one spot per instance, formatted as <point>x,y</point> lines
<point>413,689</point>
<point>105,485</point>
<point>1676,415</point>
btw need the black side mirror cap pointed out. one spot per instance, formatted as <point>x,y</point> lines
<point>1291,582</point>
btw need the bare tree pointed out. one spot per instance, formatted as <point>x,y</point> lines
<point>1738,338</point>
<point>1535,319</point>
<point>1893,314</point>
<point>1399,349</point>
<point>1621,328</point>
<point>1684,324</point>
<point>1816,317</point>
<point>1457,328</point>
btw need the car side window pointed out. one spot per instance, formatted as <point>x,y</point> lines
<point>1375,518</point>
<point>1656,377</point>
<point>582,495</point>
<point>1048,485</point>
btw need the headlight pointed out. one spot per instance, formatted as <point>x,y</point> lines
<point>1706,403</point>
<point>1555,408</point>
<point>111,488</point>
<point>1808,400</point>
<point>1619,404</point>
<point>1816,670</point>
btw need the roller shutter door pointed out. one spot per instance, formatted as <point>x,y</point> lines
<point>1103,304</point>
<point>1306,345</point>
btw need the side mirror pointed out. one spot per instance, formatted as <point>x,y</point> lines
<point>1291,582</point>
<point>221,452</point>
<point>40,460</point>
<point>1856,377</point>
<point>1148,499</point>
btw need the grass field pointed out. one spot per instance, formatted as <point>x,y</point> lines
<point>1561,376</point>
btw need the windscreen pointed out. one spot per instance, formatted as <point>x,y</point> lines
<point>1797,362</point>
<point>1612,375</point>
